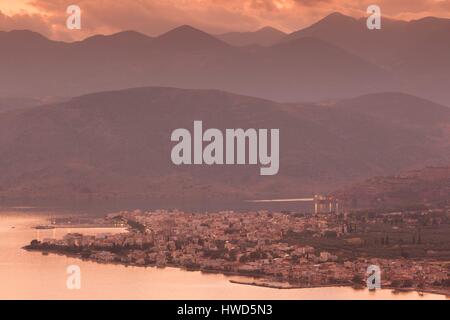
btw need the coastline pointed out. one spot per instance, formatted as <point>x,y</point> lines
<point>287,286</point>
<point>253,280</point>
<point>77,226</point>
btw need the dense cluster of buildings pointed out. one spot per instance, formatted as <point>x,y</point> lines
<point>249,244</point>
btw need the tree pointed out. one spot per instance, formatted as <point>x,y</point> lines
<point>357,279</point>
<point>404,254</point>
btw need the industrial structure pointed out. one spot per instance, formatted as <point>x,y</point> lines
<point>322,204</point>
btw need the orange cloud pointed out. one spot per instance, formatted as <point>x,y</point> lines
<point>24,21</point>
<point>156,16</point>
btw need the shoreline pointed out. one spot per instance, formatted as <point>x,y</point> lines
<point>253,280</point>
<point>287,286</point>
<point>78,226</point>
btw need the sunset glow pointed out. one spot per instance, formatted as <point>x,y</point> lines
<point>154,17</point>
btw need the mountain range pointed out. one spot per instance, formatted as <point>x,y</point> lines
<point>266,37</point>
<point>415,52</point>
<point>116,144</point>
<point>92,119</point>
<point>335,58</point>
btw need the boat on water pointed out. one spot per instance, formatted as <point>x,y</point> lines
<point>44,227</point>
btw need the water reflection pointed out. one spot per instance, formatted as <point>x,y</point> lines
<point>31,275</point>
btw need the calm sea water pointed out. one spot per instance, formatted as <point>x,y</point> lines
<point>31,275</point>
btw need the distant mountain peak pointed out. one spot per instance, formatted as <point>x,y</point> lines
<point>334,24</point>
<point>265,36</point>
<point>188,37</point>
<point>270,29</point>
<point>433,22</point>
<point>184,30</point>
<point>337,14</point>
<point>21,39</point>
<point>127,34</point>
<point>24,34</point>
<point>336,17</point>
<point>431,19</point>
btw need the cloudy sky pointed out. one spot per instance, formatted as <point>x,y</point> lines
<point>157,16</point>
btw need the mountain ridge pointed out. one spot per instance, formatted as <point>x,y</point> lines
<point>404,56</point>
<point>186,58</point>
<point>265,36</point>
<point>116,145</point>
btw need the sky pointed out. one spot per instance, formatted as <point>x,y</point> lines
<point>154,17</point>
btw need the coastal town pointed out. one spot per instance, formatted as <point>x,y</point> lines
<point>279,249</point>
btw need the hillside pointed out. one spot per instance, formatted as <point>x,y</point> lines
<point>116,145</point>
<point>425,186</point>
<point>266,36</point>
<point>304,70</point>
<point>414,52</point>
